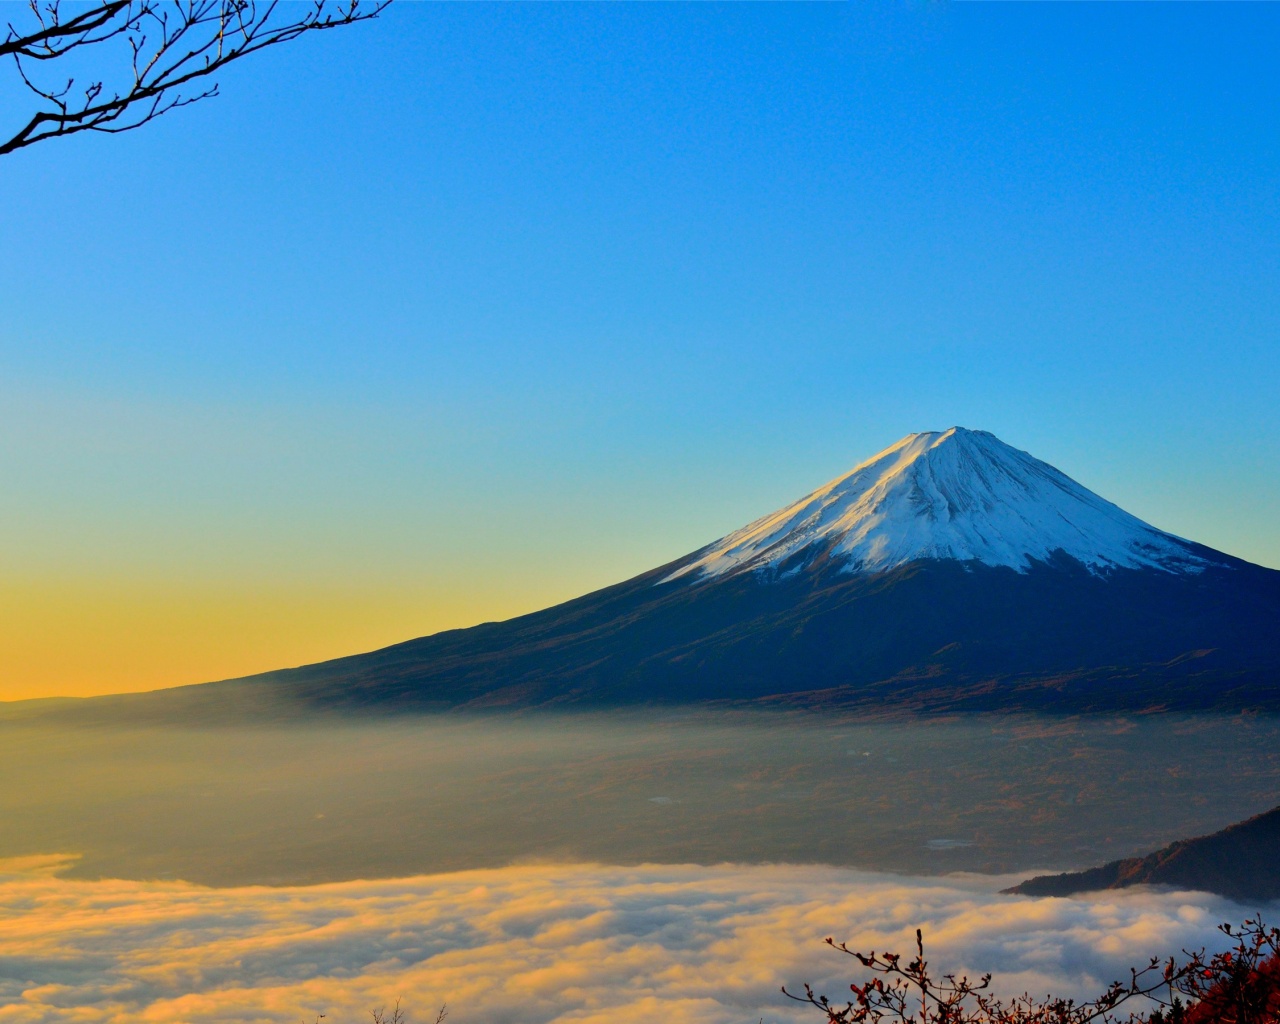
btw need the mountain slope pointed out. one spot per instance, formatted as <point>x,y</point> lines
<point>1239,862</point>
<point>956,494</point>
<point>949,572</point>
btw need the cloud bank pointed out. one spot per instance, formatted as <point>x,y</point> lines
<point>535,944</point>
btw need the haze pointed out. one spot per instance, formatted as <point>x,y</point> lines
<point>473,309</point>
<point>324,802</point>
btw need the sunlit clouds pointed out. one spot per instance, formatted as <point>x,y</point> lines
<point>580,943</point>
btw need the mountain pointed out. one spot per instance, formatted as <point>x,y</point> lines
<point>1239,862</point>
<point>950,571</point>
<point>959,495</point>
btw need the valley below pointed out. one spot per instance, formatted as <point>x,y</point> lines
<point>326,801</point>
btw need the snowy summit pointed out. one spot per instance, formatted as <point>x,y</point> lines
<point>953,494</point>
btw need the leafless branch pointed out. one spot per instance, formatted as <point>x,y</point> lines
<point>165,48</point>
<point>901,991</point>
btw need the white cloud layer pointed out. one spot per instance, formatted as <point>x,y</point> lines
<point>533,944</point>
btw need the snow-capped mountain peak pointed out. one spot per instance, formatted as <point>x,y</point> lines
<point>954,494</point>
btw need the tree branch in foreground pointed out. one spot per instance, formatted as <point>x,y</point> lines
<point>1241,986</point>
<point>162,53</point>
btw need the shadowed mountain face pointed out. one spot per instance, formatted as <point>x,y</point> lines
<point>949,572</point>
<point>1240,862</point>
<point>929,635</point>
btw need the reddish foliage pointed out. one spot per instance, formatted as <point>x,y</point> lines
<point>1263,984</point>
<point>1241,986</point>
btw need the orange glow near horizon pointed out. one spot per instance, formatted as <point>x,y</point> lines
<point>80,639</point>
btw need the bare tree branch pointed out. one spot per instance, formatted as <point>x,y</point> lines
<point>1241,986</point>
<point>162,46</point>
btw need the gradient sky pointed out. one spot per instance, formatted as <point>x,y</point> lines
<point>451,316</point>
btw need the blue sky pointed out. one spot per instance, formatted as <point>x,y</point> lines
<point>478,307</point>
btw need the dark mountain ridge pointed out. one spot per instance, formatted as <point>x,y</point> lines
<point>948,573</point>
<point>1241,862</point>
<point>929,636</point>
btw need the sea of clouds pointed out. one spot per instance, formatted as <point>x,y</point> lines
<point>541,943</point>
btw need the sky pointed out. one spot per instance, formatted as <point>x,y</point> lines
<point>454,315</point>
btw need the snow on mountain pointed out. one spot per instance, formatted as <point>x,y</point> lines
<point>954,494</point>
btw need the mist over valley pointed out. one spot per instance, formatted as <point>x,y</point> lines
<point>320,801</point>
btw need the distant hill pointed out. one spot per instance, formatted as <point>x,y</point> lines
<point>950,572</point>
<point>1241,862</point>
